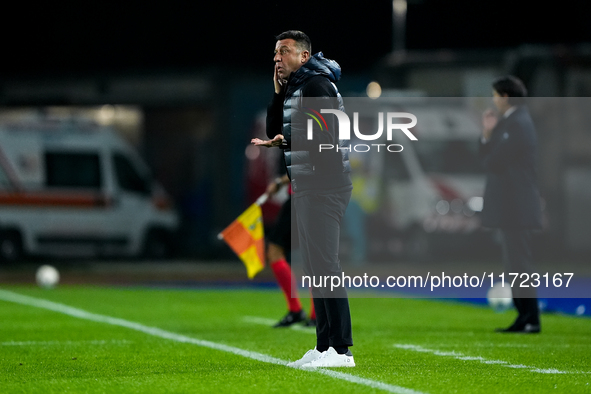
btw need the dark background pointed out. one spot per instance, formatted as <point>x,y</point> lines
<point>82,37</point>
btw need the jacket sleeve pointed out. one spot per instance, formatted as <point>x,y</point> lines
<point>275,115</point>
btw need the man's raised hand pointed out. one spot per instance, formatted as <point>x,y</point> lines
<point>278,82</point>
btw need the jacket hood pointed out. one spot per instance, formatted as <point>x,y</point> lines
<point>317,65</point>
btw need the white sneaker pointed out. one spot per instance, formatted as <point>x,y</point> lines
<point>310,355</point>
<point>331,358</point>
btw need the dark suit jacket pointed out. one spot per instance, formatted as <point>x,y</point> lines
<point>511,197</point>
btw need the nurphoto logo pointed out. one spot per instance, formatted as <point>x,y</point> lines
<point>345,129</point>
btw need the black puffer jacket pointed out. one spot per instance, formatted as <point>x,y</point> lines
<point>312,86</point>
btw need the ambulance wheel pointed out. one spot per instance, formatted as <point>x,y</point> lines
<point>11,246</point>
<point>156,245</point>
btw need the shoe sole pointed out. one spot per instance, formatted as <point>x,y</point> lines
<point>342,365</point>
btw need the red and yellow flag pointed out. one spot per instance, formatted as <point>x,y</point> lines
<point>245,236</point>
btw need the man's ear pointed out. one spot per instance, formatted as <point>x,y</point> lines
<point>305,56</point>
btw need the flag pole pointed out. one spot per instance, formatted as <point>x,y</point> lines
<point>259,201</point>
<point>262,199</point>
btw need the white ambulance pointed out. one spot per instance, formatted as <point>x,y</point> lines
<point>430,189</point>
<point>70,188</point>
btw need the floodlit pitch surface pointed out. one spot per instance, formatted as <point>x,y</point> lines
<point>131,340</point>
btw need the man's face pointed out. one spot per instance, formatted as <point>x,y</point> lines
<point>288,58</point>
<point>501,101</point>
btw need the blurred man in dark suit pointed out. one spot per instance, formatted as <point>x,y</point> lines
<point>511,199</point>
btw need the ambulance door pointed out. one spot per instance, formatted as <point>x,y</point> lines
<point>72,207</point>
<point>132,200</point>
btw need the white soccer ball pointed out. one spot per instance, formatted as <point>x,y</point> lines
<point>500,298</point>
<point>47,276</point>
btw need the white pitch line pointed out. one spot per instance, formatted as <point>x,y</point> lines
<point>459,356</point>
<point>524,345</point>
<point>157,332</point>
<point>269,322</point>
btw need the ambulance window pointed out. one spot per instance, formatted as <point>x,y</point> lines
<point>128,177</point>
<point>4,181</point>
<point>458,157</point>
<point>80,170</point>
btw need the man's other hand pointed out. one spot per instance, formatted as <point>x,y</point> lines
<point>277,141</point>
<point>489,121</point>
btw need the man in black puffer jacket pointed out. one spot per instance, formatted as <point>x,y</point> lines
<point>321,183</point>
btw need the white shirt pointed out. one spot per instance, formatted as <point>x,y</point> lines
<point>509,111</point>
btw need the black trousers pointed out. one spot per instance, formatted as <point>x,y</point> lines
<point>319,225</point>
<point>517,258</point>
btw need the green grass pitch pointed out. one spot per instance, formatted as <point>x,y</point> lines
<point>145,340</point>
